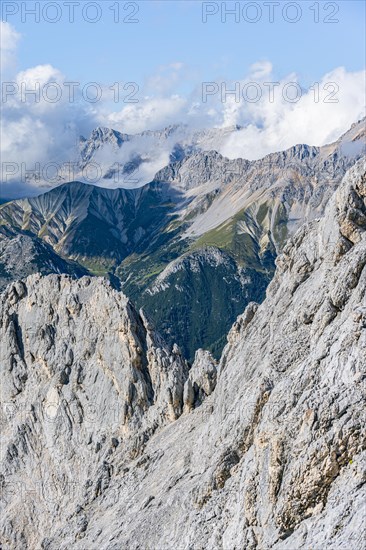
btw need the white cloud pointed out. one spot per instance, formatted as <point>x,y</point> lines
<point>313,120</point>
<point>166,79</point>
<point>9,38</point>
<point>261,69</point>
<point>151,113</point>
<point>35,130</point>
<point>41,89</point>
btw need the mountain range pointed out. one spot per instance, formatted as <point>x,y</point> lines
<point>114,159</point>
<point>195,245</point>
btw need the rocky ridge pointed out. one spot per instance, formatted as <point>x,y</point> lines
<point>117,159</point>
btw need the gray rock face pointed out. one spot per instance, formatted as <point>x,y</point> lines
<point>274,457</point>
<point>22,255</point>
<point>82,378</point>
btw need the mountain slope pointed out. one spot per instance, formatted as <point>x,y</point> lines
<point>273,458</point>
<point>96,227</point>
<point>204,285</point>
<point>22,255</point>
<point>302,179</point>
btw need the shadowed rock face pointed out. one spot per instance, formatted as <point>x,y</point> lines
<point>273,457</point>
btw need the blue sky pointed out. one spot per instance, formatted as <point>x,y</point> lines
<point>173,31</point>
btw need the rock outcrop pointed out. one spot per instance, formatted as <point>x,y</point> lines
<point>273,458</point>
<point>201,381</point>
